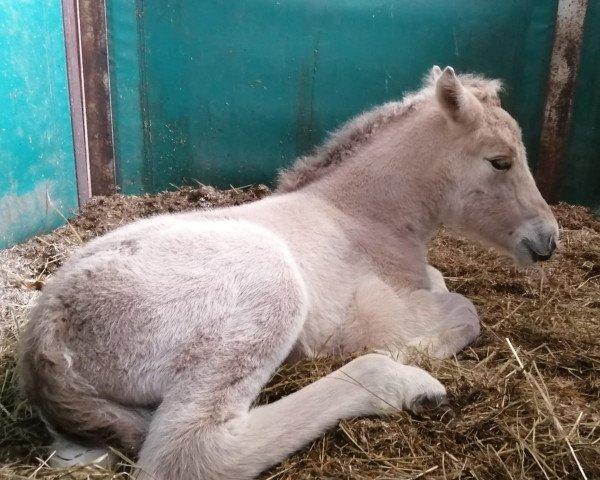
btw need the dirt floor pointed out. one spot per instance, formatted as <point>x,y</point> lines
<point>525,397</point>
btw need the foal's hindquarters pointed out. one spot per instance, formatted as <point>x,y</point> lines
<point>158,338</point>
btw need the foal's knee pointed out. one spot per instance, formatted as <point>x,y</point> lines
<point>456,324</point>
<point>458,311</point>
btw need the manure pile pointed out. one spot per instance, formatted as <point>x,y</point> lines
<point>525,397</point>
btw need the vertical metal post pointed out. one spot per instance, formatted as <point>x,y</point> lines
<point>89,89</point>
<point>71,28</point>
<point>96,83</point>
<point>564,67</point>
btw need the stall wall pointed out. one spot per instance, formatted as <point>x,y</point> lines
<point>228,92</point>
<point>37,179</point>
<point>581,174</point>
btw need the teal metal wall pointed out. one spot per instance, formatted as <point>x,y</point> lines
<point>36,149</point>
<point>581,174</point>
<point>227,92</point>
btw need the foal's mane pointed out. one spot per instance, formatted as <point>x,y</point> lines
<point>344,142</point>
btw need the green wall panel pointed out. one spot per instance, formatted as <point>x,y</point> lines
<point>227,92</point>
<point>36,148</point>
<point>581,179</point>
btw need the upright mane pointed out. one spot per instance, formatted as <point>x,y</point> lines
<point>358,131</point>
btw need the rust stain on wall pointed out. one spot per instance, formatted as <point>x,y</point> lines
<point>561,88</point>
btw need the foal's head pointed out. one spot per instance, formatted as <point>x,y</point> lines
<point>492,194</point>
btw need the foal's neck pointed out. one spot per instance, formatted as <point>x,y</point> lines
<point>393,190</point>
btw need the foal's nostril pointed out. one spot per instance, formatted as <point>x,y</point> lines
<point>536,254</point>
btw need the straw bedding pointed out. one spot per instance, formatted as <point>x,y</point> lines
<point>525,397</point>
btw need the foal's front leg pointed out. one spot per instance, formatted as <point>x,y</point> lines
<point>449,321</point>
<point>436,280</point>
<point>437,322</point>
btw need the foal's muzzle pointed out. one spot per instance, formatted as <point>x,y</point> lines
<point>540,254</point>
<point>540,243</point>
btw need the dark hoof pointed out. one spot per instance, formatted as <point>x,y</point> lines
<point>427,402</point>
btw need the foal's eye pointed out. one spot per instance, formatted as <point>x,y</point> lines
<point>500,163</point>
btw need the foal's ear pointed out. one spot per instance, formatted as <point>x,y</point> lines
<point>435,73</point>
<point>456,101</point>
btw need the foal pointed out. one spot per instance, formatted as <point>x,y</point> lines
<point>158,336</point>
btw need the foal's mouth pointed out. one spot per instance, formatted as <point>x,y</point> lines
<point>537,251</point>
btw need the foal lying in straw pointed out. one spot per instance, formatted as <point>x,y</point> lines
<point>158,337</point>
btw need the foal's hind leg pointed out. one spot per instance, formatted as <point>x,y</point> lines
<point>199,431</point>
<point>238,443</point>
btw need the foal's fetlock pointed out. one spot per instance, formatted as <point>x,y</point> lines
<point>391,386</point>
<point>423,391</point>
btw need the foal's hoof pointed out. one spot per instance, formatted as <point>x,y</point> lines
<point>67,454</point>
<point>425,402</point>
